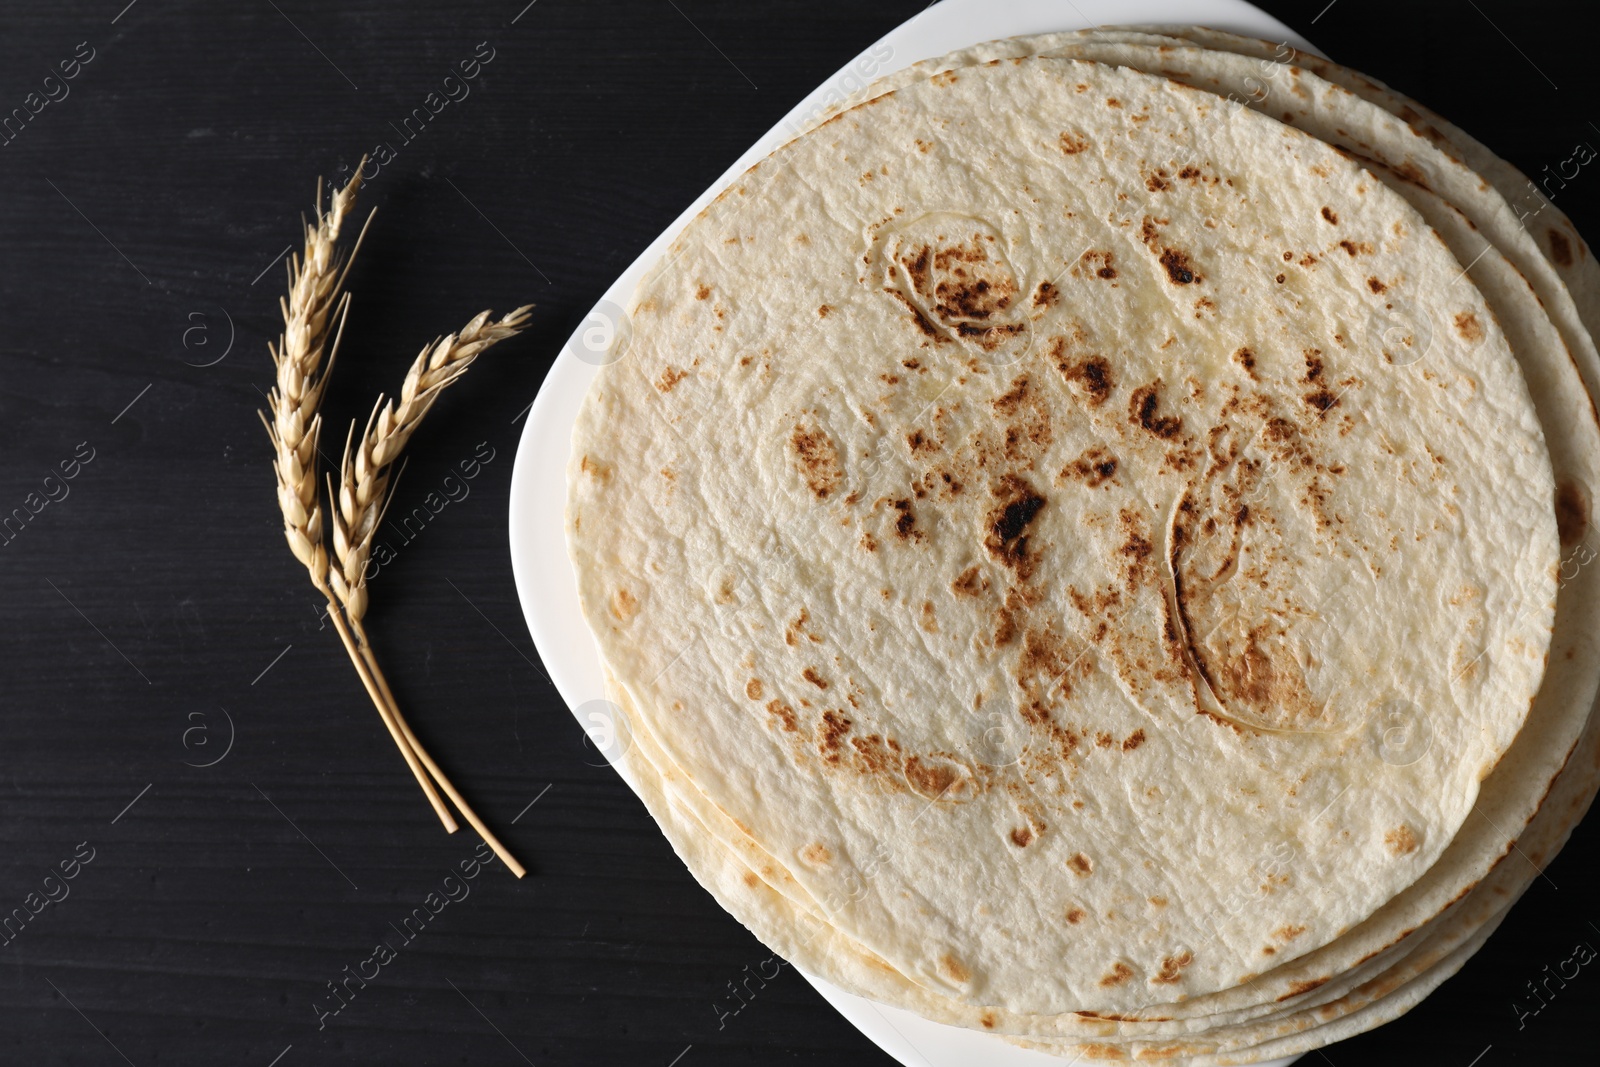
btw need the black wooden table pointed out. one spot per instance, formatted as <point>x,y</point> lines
<point>180,729</point>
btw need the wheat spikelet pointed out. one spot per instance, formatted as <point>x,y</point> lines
<point>366,484</point>
<point>303,357</point>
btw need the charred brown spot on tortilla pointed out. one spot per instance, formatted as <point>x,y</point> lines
<point>876,756</point>
<point>1402,840</point>
<point>1281,278</point>
<point>988,1020</point>
<point>1094,468</point>
<point>670,376</point>
<point>1021,836</point>
<point>1468,327</point>
<point>751,879</point>
<point>1005,627</point>
<point>1297,989</point>
<point>1129,743</point>
<point>972,285</point>
<point>1412,173</point>
<point>1279,430</point>
<point>797,629</point>
<point>923,324</point>
<point>1376,286</point>
<point>816,854</point>
<point>1007,540</point>
<point>1157,181</point>
<point>1118,974</point>
<point>970,583</point>
<point>1008,402</point>
<point>1322,400</point>
<point>1179,270</point>
<point>1288,933</point>
<point>990,337</point>
<point>1172,968</point>
<point>1560,247</point>
<point>1572,512</point>
<point>822,310</point>
<point>1328,213</point>
<point>1246,359</point>
<point>818,459</point>
<point>954,969</point>
<point>1150,233</point>
<point>1072,144</point>
<point>810,675</point>
<point>921,442</point>
<point>1099,262</point>
<point>1354,247</point>
<point>1142,412</point>
<point>624,605</point>
<point>1090,377</point>
<point>752,689</point>
<point>831,740</point>
<point>916,265</point>
<point>1081,864</point>
<point>1075,915</point>
<point>785,714</point>
<point>932,780</point>
<point>1046,295</point>
<point>1313,357</point>
<point>905,523</point>
<point>702,292</point>
<point>1136,550</point>
<point>1046,660</point>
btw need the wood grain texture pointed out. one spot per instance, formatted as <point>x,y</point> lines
<point>138,613</point>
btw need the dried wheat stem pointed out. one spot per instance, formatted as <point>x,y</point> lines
<point>444,783</point>
<point>390,714</point>
<point>366,486</point>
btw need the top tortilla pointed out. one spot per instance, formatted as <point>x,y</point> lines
<point>778,570</point>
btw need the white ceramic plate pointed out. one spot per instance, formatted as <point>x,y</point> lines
<point>544,576</point>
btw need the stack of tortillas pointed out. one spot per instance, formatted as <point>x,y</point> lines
<point>1088,545</point>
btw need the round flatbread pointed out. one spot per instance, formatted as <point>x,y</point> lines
<point>1018,554</point>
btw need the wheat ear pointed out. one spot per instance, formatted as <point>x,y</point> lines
<point>303,357</point>
<point>366,485</point>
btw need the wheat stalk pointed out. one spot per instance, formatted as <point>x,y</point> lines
<point>366,485</point>
<point>303,357</point>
